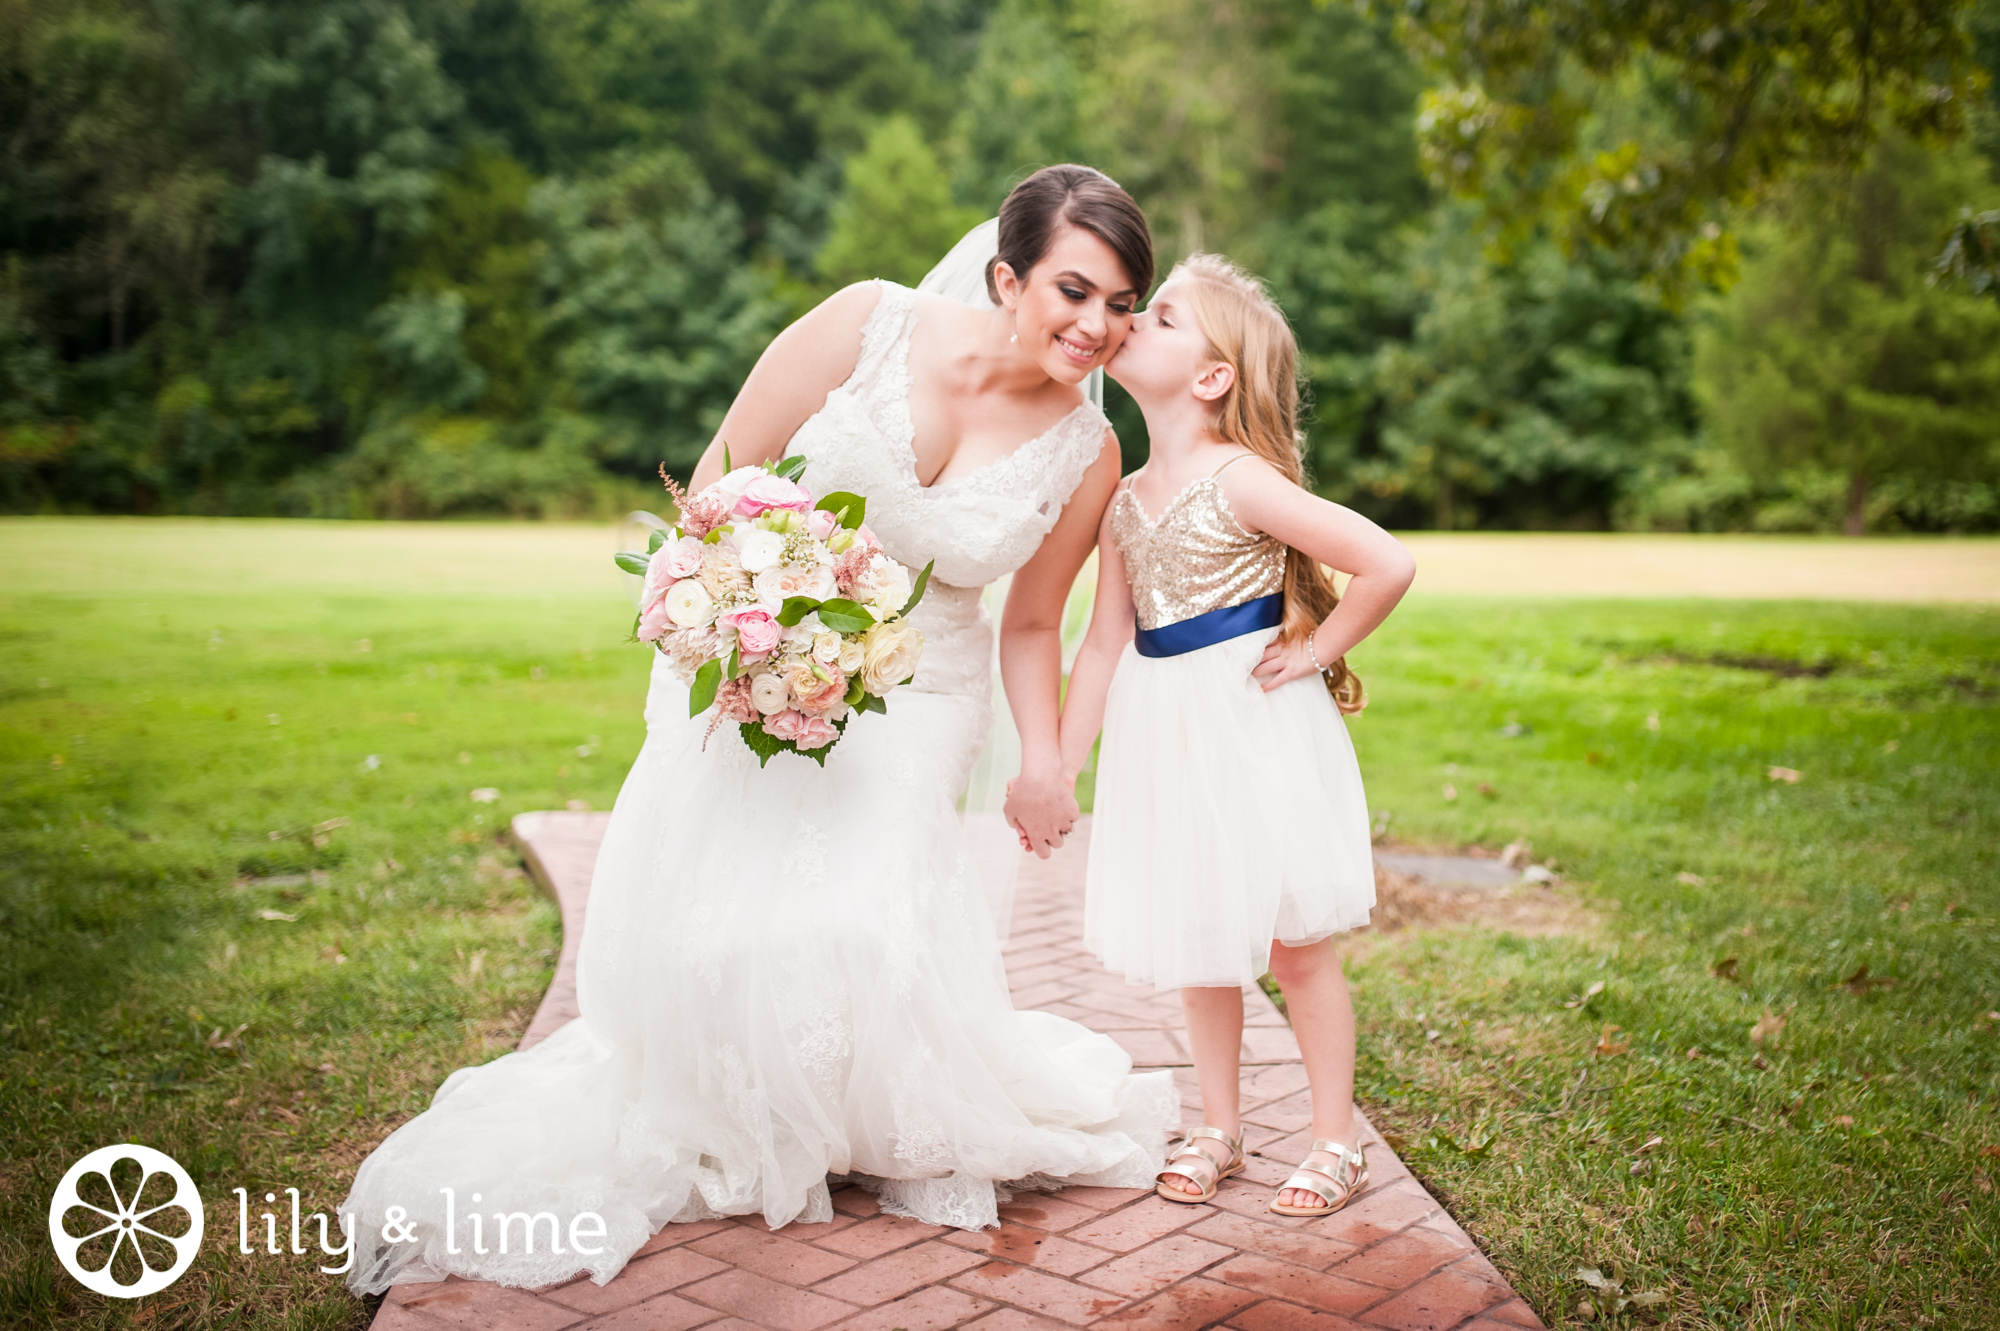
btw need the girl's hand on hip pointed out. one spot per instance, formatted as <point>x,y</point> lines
<point>1282,663</point>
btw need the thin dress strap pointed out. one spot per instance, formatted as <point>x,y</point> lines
<point>1230,463</point>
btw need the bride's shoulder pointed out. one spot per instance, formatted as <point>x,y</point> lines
<point>848,309</point>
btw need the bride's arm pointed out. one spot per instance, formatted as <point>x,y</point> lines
<point>790,381</point>
<point>1040,804</point>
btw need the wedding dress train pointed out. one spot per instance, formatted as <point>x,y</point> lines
<point>789,973</point>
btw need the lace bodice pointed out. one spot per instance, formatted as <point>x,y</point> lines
<point>978,527</point>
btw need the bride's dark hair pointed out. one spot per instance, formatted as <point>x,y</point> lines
<point>1083,197</point>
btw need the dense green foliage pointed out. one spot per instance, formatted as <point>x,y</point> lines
<point>432,257</point>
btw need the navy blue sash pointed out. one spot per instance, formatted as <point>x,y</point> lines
<point>1232,621</point>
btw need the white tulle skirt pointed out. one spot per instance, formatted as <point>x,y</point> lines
<point>786,974</point>
<point>1226,817</point>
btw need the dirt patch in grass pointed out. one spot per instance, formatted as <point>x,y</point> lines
<point>1403,901</point>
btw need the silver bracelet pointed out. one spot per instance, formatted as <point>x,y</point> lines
<point>1313,654</point>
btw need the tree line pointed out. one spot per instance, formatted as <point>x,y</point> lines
<point>1552,263</point>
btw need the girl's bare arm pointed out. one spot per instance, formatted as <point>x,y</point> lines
<point>1264,500</point>
<point>1090,674</point>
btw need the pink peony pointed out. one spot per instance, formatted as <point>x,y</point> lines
<point>654,624</point>
<point>821,524</point>
<point>767,492</point>
<point>815,732</point>
<point>868,538</point>
<point>756,631</point>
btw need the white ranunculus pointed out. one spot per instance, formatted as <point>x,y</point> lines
<point>689,604</point>
<point>768,692</point>
<point>758,549</point>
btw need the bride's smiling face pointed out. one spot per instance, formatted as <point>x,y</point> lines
<point>1074,307</point>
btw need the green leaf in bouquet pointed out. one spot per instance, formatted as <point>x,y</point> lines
<point>635,626</point>
<point>843,616</point>
<point>655,541</point>
<point>872,703</point>
<point>845,505</point>
<point>715,537</point>
<point>633,562</point>
<point>857,688</point>
<point>727,465</point>
<point>791,468</point>
<point>735,667</point>
<point>796,608</point>
<point>706,681</point>
<point>761,742</point>
<point>917,592</point>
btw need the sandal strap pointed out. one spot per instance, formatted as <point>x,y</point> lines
<point>1207,1168</point>
<point>1306,1177</point>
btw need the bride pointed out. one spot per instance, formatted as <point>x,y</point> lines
<point>789,973</point>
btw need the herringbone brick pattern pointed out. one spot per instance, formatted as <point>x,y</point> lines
<point>1101,1257</point>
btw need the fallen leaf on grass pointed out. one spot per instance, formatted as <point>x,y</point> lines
<point>277,915</point>
<point>1586,995</point>
<point>1488,791</point>
<point>1515,855</point>
<point>1607,1047</point>
<point>1769,1027</point>
<point>1694,1051</point>
<point>1686,879</point>
<point>1843,1120</point>
<point>1651,1144</point>
<point>1991,1152</point>
<point>1861,982</point>
<point>485,795</point>
<point>1724,969</point>
<point>1788,775</point>
<point>1450,791</point>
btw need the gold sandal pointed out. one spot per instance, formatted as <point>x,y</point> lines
<point>1313,1179</point>
<point>1203,1168</point>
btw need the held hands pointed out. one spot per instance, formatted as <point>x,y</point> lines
<point>1041,810</point>
<point>1284,662</point>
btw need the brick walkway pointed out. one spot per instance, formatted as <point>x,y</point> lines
<point>1104,1257</point>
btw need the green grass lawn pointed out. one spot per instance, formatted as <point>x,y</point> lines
<point>188,707</point>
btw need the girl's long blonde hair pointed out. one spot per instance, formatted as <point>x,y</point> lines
<point>1247,331</point>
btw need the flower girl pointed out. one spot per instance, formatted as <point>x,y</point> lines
<point>1231,831</point>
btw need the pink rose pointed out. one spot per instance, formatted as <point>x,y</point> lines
<point>821,524</point>
<point>654,624</point>
<point>868,538</point>
<point>767,492</point>
<point>815,732</point>
<point>683,557</point>
<point>756,631</point>
<point>825,698</point>
<point>785,725</point>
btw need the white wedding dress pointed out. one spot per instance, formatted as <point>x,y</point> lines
<point>789,973</point>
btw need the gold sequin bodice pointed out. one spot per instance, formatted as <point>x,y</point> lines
<point>1195,558</point>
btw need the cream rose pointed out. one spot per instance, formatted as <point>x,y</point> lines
<point>826,648</point>
<point>892,651</point>
<point>688,603</point>
<point>768,692</point>
<point>852,654</point>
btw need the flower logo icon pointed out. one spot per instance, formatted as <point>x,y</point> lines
<point>108,1220</point>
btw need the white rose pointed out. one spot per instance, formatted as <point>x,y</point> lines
<point>826,648</point>
<point>757,549</point>
<point>852,655</point>
<point>768,692</point>
<point>689,604</point>
<point>892,651</point>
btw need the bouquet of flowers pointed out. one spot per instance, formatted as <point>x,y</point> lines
<point>779,610</point>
